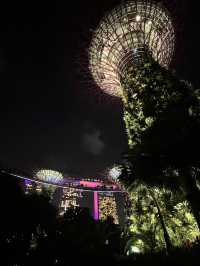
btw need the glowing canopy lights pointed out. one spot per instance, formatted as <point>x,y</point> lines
<point>114,172</point>
<point>49,176</point>
<point>123,36</point>
<point>137,18</point>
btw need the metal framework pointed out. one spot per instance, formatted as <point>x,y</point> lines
<point>122,38</point>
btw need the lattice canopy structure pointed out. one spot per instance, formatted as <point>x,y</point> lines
<point>124,36</point>
<point>49,176</point>
<point>114,172</point>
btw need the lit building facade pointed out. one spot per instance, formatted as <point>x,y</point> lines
<point>101,203</point>
<point>70,199</point>
<point>108,207</point>
<point>102,198</point>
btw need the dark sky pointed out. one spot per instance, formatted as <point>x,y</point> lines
<point>48,118</point>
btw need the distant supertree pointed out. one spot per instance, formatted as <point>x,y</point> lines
<point>49,176</point>
<point>114,172</point>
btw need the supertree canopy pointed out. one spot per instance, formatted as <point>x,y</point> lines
<point>124,36</point>
<point>49,176</point>
<point>114,172</point>
<point>129,57</point>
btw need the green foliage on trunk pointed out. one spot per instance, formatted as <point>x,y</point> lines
<point>151,94</point>
<point>162,118</point>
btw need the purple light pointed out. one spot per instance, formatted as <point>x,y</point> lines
<point>96,206</point>
<point>113,188</point>
<point>27,182</point>
<point>90,184</point>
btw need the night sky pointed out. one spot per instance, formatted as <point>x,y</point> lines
<point>48,117</point>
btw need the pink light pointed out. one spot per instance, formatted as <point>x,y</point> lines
<point>90,184</point>
<point>96,206</point>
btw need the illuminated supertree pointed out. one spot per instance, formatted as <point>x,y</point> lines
<point>123,38</point>
<point>126,37</point>
<point>128,41</point>
<point>49,176</point>
<point>114,172</point>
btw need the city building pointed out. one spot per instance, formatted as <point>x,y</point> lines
<point>102,198</point>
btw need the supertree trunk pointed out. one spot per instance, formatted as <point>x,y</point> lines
<point>150,93</point>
